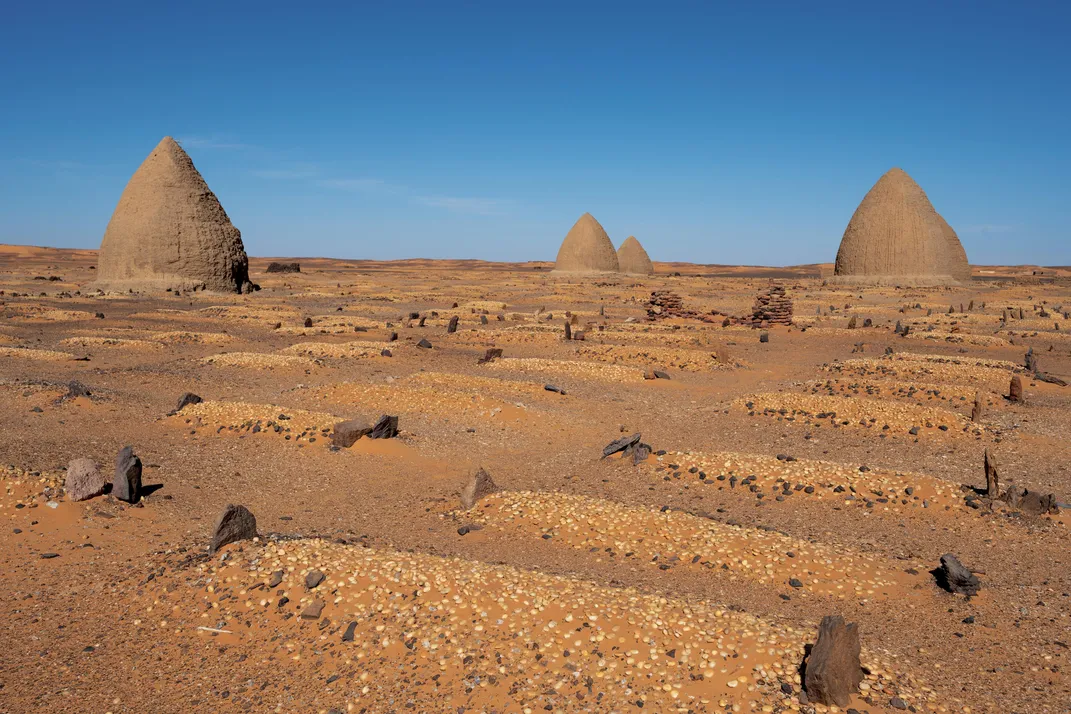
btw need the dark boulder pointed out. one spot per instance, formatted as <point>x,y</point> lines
<point>386,427</point>
<point>234,524</point>
<point>126,484</point>
<point>954,577</point>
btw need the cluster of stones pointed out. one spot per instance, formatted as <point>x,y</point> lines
<point>772,307</point>
<point>665,304</point>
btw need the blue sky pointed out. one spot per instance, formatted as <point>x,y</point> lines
<point>741,133</point>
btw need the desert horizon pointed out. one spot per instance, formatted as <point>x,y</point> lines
<point>502,358</point>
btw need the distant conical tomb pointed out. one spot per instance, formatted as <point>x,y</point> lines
<point>169,231</point>
<point>586,249</point>
<point>896,236</point>
<point>633,259</point>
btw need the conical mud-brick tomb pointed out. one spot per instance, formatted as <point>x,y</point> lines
<point>633,259</point>
<point>896,237</point>
<point>586,249</point>
<point>170,231</point>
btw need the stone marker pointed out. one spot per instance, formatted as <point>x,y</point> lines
<point>234,524</point>
<point>568,331</point>
<point>386,427</point>
<point>346,433</point>
<point>84,480</point>
<point>955,578</point>
<point>832,669</point>
<point>992,476</point>
<point>479,486</point>
<point>126,484</point>
<point>187,399</point>
<point>490,355</point>
<point>1015,390</point>
<point>625,443</point>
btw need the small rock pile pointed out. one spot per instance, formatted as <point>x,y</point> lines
<point>665,304</point>
<point>772,307</point>
<point>283,268</point>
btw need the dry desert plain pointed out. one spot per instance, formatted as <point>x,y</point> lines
<point>809,475</point>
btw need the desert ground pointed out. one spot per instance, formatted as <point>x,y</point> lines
<point>823,471</point>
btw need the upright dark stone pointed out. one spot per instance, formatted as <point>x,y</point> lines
<point>234,524</point>
<point>452,327</point>
<point>126,485</point>
<point>764,336</point>
<point>832,671</point>
<point>568,331</point>
<point>1015,390</point>
<point>992,476</point>
<point>386,427</point>
<point>976,411</point>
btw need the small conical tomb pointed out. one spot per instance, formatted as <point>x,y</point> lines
<point>633,259</point>
<point>586,249</point>
<point>896,235</point>
<point>169,231</point>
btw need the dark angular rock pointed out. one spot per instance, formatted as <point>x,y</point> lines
<point>452,327</point>
<point>126,484</point>
<point>832,668</point>
<point>621,444</point>
<point>424,344</point>
<point>347,636</point>
<point>386,427</point>
<point>552,388</point>
<point>764,336</point>
<point>480,485</point>
<point>308,322</point>
<point>187,399</point>
<point>955,578</point>
<point>313,579</point>
<point>234,524</point>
